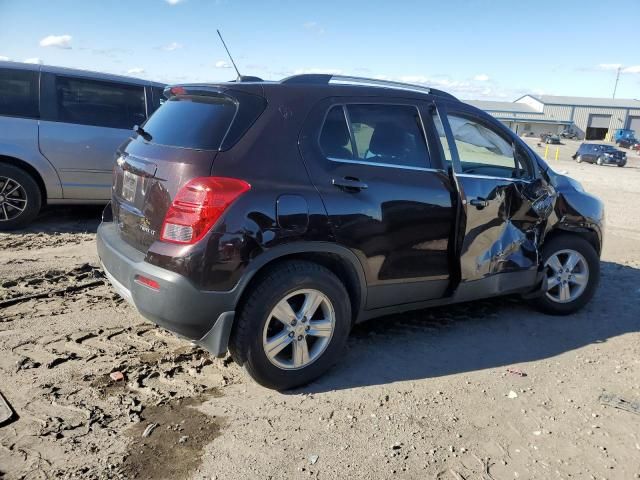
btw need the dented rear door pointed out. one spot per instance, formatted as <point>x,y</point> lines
<point>503,204</point>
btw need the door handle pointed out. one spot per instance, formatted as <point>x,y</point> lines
<point>479,203</point>
<point>349,184</point>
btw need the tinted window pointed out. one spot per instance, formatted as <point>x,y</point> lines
<point>481,149</point>
<point>105,104</point>
<point>334,138</point>
<point>198,122</point>
<point>18,93</point>
<point>390,134</point>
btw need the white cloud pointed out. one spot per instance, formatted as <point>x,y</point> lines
<point>609,66</point>
<point>314,27</point>
<point>35,60</point>
<point>222,64</point>
<point>4,59</point>
<point>632,69</point>
<point>174,2</point>
<point>135,71</point>
<point>481,77</point>
<point>172,46</point>
<point>58,41</point>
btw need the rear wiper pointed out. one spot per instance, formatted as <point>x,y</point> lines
<point>142,132</point>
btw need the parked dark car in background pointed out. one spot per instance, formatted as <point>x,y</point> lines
<point>570,134</point>
<point>552,139</point>
<point>268,217</point>
<point>630,143</point>
<point>600,154</point>
<point>59,130</point>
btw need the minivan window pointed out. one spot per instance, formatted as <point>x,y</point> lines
<point>18,93</point>
<point>99,103</point>
<point>388,134</point>
<point>192,121</point>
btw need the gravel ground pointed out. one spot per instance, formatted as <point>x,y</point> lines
<point>430,394</point>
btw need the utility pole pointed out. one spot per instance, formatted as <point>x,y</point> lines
<point>616,85</point>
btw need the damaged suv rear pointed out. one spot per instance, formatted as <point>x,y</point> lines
<point>266,218</point>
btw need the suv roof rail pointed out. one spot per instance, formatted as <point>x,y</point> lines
<point>325,79</point>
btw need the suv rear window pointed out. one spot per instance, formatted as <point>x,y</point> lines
<point>18,93</point>
<point>190,121</point>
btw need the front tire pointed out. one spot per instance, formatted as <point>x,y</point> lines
<point>579,159</point>
<point>600,161</point>
<point>293,326</point>
<point>20,198</point>
<point>572,268</point>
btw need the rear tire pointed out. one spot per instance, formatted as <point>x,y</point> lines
<point>286,289</point>
<point>20,199</point>
<point>599,161</point>
<point>586,270</point>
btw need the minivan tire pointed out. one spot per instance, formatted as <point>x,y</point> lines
<point>33,197</point>
<point>588,253</point>
<point>249,331</point>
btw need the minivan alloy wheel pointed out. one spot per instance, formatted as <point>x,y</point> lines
<point>13,199</point>
<point>567,276</point>
<point>298,329</point>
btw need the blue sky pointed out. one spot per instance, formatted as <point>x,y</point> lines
<point>492,49</point>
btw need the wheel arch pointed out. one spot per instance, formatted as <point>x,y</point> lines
<point>590,234</point>
<point>339,260</point>
<point>16,162</point>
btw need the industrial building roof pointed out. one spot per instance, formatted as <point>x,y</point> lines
<point>496,106</point>
<point>585,101</point>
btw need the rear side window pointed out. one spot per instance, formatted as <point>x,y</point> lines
<point>191,121</point>
<point>103,104</point>
<point>382,134</point>
<point>19,93</point>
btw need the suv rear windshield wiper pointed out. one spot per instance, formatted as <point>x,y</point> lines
<point>142,132</point>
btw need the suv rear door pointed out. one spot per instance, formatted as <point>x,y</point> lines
<point>84,121</point>
<point>504,204</point>
<point>386,197</point>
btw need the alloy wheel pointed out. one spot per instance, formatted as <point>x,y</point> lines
<point>13,199</point>
<point>567,276</point>
<point>298,329</point>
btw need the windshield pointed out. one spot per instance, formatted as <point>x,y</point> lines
<point>608,148</point>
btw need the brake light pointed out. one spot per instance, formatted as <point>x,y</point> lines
<point>198,206</point>
<point>178,91</point>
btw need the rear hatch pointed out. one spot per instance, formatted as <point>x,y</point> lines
<point>177,144</point>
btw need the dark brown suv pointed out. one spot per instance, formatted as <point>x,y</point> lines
<point>267,218</point>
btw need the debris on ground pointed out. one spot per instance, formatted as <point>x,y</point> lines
<point>150,428</point>
<point>615,401</point>
<point>6,413</point>
<point>514,371</point>
<point>313,459</point>
<point>116,376</point>
<point>512,394</point>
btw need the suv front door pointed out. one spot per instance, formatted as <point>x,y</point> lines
<point>386,199</point>
<point>503,205</point>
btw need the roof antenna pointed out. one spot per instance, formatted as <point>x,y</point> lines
<point>230,57</point>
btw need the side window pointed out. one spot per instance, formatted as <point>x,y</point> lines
<point>389,134</point>
<point>157,94</point>
<point>104,104</point>
<point>335,140</point>
<point>446,150</point>
<point>482,150</point>
<point>19,93</point>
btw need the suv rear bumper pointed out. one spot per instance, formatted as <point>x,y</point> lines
<point>204,317</point>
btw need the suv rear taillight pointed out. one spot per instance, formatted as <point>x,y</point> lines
<point>198,206</point>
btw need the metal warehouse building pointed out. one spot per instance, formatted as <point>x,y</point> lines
<point>590,118</point>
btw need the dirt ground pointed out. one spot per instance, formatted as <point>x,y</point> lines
<point>430,394</point>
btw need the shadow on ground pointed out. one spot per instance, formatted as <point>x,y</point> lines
<point>66,219</point>
<point>480,335</point>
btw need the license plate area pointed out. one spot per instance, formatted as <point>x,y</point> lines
<point>129,186</point>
